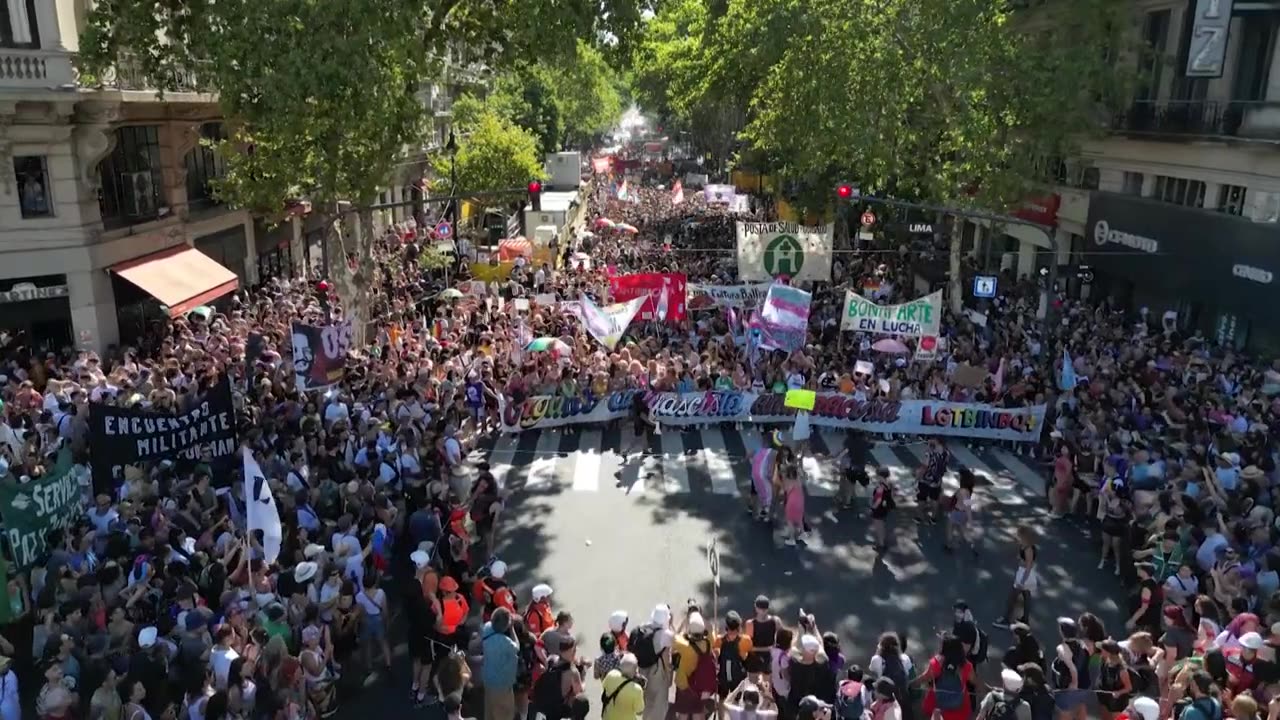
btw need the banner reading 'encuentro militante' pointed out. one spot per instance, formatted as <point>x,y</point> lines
<point>205,433</point>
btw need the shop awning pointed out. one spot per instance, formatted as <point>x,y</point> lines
<point>181,278</point>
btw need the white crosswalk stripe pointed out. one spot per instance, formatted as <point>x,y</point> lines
<point>715,460</point>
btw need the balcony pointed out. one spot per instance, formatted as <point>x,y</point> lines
<point>1239,119</point>
<point>35,69</point>
<point>128,75</point>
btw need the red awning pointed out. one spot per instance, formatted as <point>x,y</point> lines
<point>181,278</point>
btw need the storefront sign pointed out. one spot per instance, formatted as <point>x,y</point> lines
<point>911,417</point>
<point>1248,272</point>
<point>1041,210</point>
<point>1103,233</point>
<point>31,510</point>
<point>1207,53</point>
<point>26,292</point>
<point>120,436</point>
<point>1180,254</point>
<point>922,316</point>
<point>920,228</point>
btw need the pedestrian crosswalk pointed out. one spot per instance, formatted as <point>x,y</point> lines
<point>715,460</point>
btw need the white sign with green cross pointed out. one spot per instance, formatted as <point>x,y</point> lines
<point>770,250</point>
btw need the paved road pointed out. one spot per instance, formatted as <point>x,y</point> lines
<point>613,526</point>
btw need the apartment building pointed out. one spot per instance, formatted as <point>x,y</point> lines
<point>1176,207</point>
<point>409,184</point>
<point>106,216</point>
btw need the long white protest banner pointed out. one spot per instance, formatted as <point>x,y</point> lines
<point>909,417</point>
<point>735,296</point>
<point>773,249</point>
<point>922,316</point>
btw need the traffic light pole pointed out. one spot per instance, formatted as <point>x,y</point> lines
<point>1052,240</point>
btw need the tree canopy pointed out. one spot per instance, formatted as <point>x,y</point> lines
<point>564,102</point>
<point>946,100</point>
<point>494,154</point>
<point>322,94</point>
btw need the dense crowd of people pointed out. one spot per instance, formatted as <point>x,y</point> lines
<point>160,603</point>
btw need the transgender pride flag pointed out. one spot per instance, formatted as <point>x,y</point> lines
<point>784,318</point>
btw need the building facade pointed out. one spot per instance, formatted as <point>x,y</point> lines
<point>1176,207</point>
<point>107,218</point>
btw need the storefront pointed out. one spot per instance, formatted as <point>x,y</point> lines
<point>38,309</point>
<point>1216,271</point>
<point>1025,249</point>
<point>275,250</point>
<point>227,247</point>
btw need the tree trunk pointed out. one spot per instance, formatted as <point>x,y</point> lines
<point>956,247</point>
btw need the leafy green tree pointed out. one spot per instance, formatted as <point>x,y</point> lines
<point>495,154</point>
<point>466,113</point>
<point>586,94</point>
<point>524,97</point>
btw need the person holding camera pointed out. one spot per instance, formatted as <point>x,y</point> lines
<point>749,701</point>
<point>622,691</point>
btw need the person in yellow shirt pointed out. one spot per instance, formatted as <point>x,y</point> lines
<point>695,664</point>
<point>622,694</point>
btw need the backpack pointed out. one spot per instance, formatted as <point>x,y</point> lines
<point>642,642</point>
<point>948,689</point>
<point>548,698</point>
<point>1005,708</point>
<point>849,704</point>
<point>733,667</point>
<point>897,672</point>
<point>978,654</point>
<point>606,699</point>
<point>1062,673</point>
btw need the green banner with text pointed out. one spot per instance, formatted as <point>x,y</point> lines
<point>30,510</point>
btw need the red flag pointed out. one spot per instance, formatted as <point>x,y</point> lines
<point>677,193</point>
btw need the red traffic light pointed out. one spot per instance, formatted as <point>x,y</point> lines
<point>844,191</point>
<point>535,187</point>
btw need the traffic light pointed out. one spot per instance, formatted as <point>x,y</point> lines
<point>844,192</point>
<point>535,195</point>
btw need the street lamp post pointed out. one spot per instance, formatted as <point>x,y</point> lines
<point>451,147</point>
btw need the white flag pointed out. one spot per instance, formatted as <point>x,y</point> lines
<point>260,507</point>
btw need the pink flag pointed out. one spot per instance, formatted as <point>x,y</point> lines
<point>677,193</point>
<point>997,380</point>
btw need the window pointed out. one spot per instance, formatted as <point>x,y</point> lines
<point>18,28</point>
<point>1257,46</point>
<point>32,174</point>
<point>132,186</point>
<point>1155,34</point>
<point>1090,178</point>
<point>204,165</point>
<point>1231,199</point>
<point>1132,183</point>
<point>1179,191</point>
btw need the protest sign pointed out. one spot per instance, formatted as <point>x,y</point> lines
<point>734,296</point>
<point>31,510</point>
<point>770,250</point>
<point>927,348</point>
<point>922,316</point>
<point>320,354</point>
<point>666,293</point>
<point>719,194</point>
<point>204,433</point>
<point>607,324</point>
<point>831,409</point>
<point>801,399</point>
<point>489,272</point>
<point>784,319</point>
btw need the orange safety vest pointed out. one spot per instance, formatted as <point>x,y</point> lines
<point>538,618</point>
<point>453,612</point>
